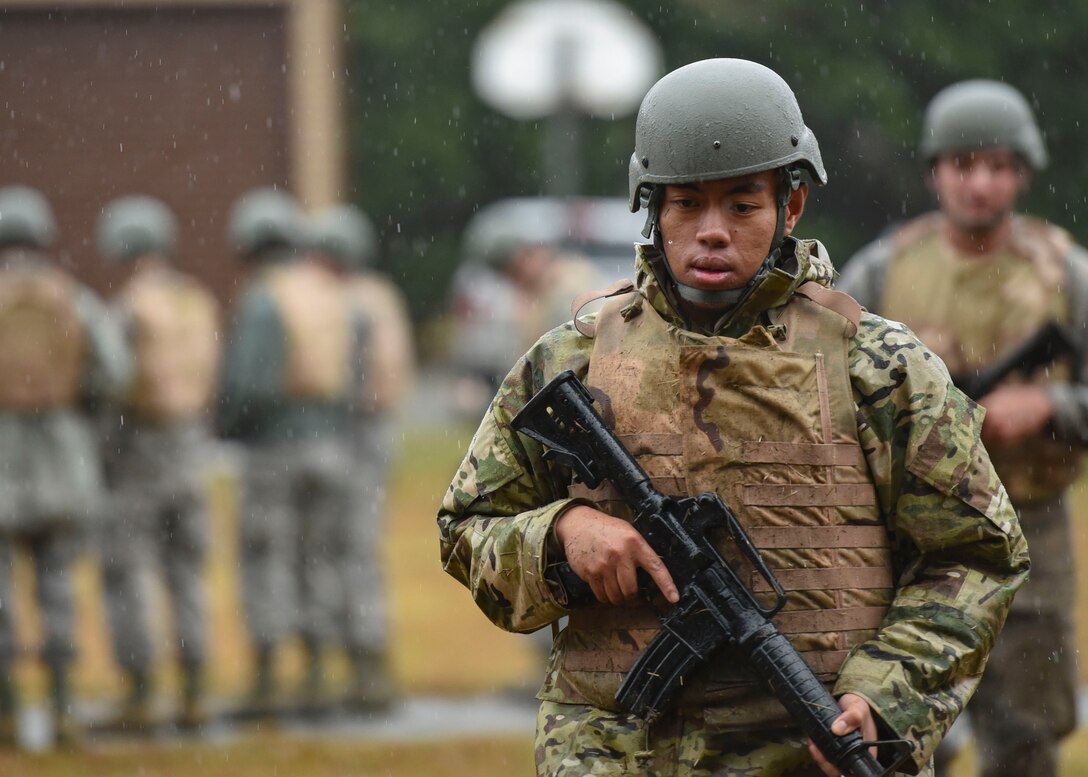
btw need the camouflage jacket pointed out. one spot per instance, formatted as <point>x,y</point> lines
<point>959,552</point>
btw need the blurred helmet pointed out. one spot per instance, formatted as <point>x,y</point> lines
<point>499,231</point>
<point>980,114</point>
<point>718,118</point>
<point>344,233</point>
<point>26,218</point>
<point>264,219</point>
<point>135,226</point>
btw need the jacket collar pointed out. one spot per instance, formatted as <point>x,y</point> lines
<point>801,261</point>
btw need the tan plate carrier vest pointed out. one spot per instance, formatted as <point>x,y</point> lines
<point>317,322</point>
<point>176,333</point>
<point>1007,299</point>
<point>43,346</point>
<point>771,427</point>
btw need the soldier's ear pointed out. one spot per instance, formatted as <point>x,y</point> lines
<point>795,207</point>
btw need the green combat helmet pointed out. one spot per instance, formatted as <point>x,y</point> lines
<point>26,218</point>
<point>981,114</point>
<point>500,230</point>
<point>265,220</point>
<point>345,234</point>
<point>135,226</point>
<point>714,119</point>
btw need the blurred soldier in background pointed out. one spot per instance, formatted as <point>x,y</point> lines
<point>531,288</point>
<point>516,285</point>
<point>345,237</point>
<point>974,280</point>
<point>158,512</point>
<point>284,396</point>
<point>60,356</point>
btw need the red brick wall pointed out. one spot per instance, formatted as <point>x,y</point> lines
<point>187,105</point>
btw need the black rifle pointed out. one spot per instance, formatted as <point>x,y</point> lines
<point>1049,343</point>
<point>715,606</point>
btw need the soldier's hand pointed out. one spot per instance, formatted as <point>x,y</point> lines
<point>606,552</point>
<point>1015,414</point>
<point>856,716</point>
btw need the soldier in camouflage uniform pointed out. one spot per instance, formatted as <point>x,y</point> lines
<point>284,394</point>
<point>972,281</point>
<point>835,435</point>
<point>60,355</point>
<point>384,364</point>
<point>512,287</point>
<point>158,509</point>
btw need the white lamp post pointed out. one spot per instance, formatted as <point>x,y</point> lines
<point>560,59</point>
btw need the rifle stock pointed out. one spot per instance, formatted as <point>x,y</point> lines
<point>715,606</point>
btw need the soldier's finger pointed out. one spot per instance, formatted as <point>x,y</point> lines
<point>596,584</point>
<point>613,591</point>
<point>659,573</point>
<point>627,579</point>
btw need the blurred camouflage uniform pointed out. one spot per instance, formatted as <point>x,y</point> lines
<point>158,518</point>
<point>855,467</point>
<point>284,396</point>
<point>60,356</point>
<point>515,285</point>
<point>384,363</point>
<point>1027,702</point>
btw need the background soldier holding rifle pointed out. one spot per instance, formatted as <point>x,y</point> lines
<point>975,282</point>
<point>833,435</point>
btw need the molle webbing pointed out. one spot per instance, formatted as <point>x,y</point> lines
<point>770,425</point>
<point>820,495</point>
<point>756,452</point>
<point>851,626</point>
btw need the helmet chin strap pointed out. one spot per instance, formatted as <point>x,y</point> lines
<point>790,180</point>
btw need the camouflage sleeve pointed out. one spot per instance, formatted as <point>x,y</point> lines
<point>496,518</point>
<point>959,552</point>
<point>1070,400</point>
<point>863,274</point>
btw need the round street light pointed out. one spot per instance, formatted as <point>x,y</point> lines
<point>538,56</point>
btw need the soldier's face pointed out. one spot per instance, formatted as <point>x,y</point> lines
<point>716,234</point>
<point>977,190</point>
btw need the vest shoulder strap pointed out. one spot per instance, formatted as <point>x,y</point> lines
<point>622,286</point>
<point>836,301</point>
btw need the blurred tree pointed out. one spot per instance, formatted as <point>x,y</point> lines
<point>426,153</point>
